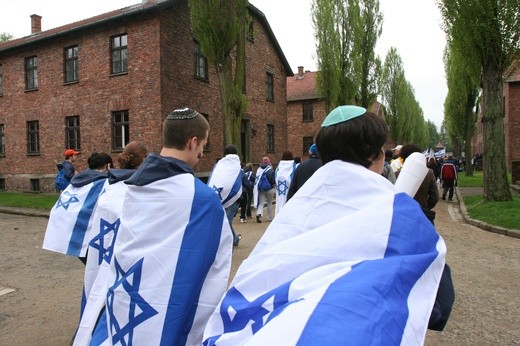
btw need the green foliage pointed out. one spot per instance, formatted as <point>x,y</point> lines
<point>403,112</point>
<point>219,37</point>
<point>504,214</point>
<point>5,37</point>
<point>487,32</point>
<point>28,200</point>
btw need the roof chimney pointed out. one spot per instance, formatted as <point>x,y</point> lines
<point>300,71</point>
<point>36,24</point>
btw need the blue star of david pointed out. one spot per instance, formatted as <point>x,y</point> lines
<point>65,204</point>
<point>130,282</point>
<point>282,187</point>
<point>98,242</point>
<point>218,191</point>
<point>237,312</point>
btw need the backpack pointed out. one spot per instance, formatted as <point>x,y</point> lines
<point>60,182</point>
<point>263,182</point>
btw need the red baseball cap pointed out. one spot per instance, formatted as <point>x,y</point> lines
<point>70,152</point>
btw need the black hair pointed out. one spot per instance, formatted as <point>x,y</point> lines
<point>230,149</point>
<point>358,140</point>
<point>409,149</point>
<point>98,160</point>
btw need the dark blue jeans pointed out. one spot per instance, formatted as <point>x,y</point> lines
<point>231,211</point>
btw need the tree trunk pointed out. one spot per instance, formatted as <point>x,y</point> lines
<point>225,77</point>
<point>468,167</point>
<point>496,184</point>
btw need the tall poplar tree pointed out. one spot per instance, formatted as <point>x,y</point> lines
<point>336,28</point>
<point>490,29</point>
<point>220,28</point>
<point>463,77</point>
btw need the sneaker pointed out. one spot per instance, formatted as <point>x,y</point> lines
<point>243,221</point>
<point>259,218</point>
<point>237,239</point>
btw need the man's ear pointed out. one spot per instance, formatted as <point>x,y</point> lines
<point>192,143</point>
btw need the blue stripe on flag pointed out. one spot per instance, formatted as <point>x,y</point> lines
<point>198,251</point>
<point>235,189</point>
<point>100,334</point>
<point>369,303</point>
<point>80,227</point>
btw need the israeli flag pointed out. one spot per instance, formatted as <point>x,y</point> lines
<point>170,266</point>
<point>283,177</point>
<point>226,179</point>
<point>69,229</point>
<point>256,193</point>
<point>346,261</point>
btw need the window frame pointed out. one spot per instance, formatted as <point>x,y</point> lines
<point>307,114</point>
<point>120,130</point>
<point>201,64</point>
<point>1,80</point>
<point>269,86</point>
<point>307,141</point>
<point>72,132</point>
<point>33,137</point>
<point>2,140</point>
<point>31,73</point>
<point>121,50</point>
<point>70,60</point>
<point>269,138</point>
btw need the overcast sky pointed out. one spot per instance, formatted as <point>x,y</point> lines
<point>412,26</point>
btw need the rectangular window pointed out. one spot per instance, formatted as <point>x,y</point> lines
<point>33,138</point>
<point>307,142</point>
<point>2,184</point>
<point>70,64</point>
<point>270,138</point>
<point>120,130</point>
<point>31,73</point>
<point>119,53</point>
<point>35,185</point>
<point>2,140</point>
<point>269,86</point>
<point>307,111</point>
<point>72,138</point>
<point>1,81</point>
<point>250,30</point>
<point>201,63</point>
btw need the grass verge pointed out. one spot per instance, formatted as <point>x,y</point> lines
<point>504,214</point>
<point>44,201</point>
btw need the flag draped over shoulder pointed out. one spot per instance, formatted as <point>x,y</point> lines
<point>226,179</point>
<point>259,173</point>
<point>170,264</point>
<point>346,261</point>
<point>69,229</point>
<point>283,177</point>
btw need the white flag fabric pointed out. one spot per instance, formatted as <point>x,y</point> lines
<point>346,261</point>
<point>283,177</point>
<point>106,221</point>
<point>170,264</point>
<point>226,179</point>
<point>259,173</point>
<point>69,229</point>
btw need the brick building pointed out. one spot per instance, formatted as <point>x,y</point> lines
<point>96,84</point>
<point>511,124</point>
<point>306,111</point>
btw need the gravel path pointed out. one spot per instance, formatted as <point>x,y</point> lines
<point>43,309</point>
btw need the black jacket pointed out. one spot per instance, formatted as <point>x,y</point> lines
<point>303,172</point>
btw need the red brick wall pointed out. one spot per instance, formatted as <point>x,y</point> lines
<point>512,122</point>
<point>160,78</point>
<point>303,129</point>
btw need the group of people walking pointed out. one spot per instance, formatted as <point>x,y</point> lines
<point>346,258</point>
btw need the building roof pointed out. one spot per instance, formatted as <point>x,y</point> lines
<point>140,8</point>
<point>87,23</point>
<point>302,86</point>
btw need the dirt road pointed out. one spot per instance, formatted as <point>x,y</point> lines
<point>43,309</point>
